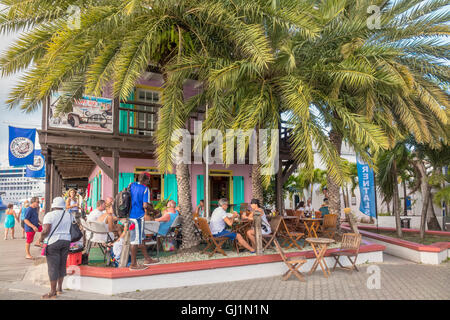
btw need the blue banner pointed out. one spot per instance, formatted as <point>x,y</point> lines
<point>21,146</point>
<point>367,188</point>
<point>37,170</point>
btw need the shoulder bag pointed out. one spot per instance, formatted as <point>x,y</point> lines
<point>45,246</point>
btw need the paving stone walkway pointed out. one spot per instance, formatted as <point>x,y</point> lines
<point>398,280</point>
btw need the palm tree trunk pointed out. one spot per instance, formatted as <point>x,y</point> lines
<point>334,198</point>
<point>405,211</point>
<point>396,199</point>
<point>257,187</point>
<point>184,202</point>
<point>432,222</point>
<point>424,186</point>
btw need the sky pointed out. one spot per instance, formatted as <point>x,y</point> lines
<point>13,117</point>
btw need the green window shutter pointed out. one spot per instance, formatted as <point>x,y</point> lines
<point>238,192</point>
<point>125,178</point>
<point>99,186</point>
<point>170,187</point>
<point>123,116</point>
<point>200,188</point>
<point>94,192</point>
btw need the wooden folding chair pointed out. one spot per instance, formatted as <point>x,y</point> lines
<point>290,212</point>
<point>328,228</point>
<point>267,239</point>
<point>349,248</point>
<point>293,263</point>
<point>211,241</point>
<point>290,235</point>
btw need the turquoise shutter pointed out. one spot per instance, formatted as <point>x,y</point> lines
<point>99,195</point>
<point>238,192</point>
<point>123,116</point>
<point>125,178</point>
<point>94,192</point>
<point>170,187</point>
<point>200,188</point>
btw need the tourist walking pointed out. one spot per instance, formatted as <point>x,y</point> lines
<point>25,206</point>
<point>10,221</point>
<point>140,197</point>
<point>72,202</point>
<point>32,225</point>
<point>56,235</point>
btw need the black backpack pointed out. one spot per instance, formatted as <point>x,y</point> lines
<point>123,203</point>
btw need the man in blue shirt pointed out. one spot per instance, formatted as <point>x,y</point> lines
<point>140,197</point>
<point>32,225</point>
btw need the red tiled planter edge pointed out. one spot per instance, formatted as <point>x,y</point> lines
<point>115,273</point>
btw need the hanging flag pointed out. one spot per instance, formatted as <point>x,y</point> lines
<point>367,188</point>
<point>21,146</point>
<point>37,170</point>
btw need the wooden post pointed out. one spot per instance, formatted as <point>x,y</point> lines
<point>52,180</point>
<point>116,124</point>
<point>115,178</point>
<point>48,169</point>
<point>125,249</point>
<point>258,234</point>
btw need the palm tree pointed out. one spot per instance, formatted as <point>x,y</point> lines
<point>391,164</point>
<point>115,43</point>
<point>337,81</point>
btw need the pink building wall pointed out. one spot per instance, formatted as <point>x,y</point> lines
<point>127,165</point>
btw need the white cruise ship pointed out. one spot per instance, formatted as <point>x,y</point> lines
<point>15,187</point>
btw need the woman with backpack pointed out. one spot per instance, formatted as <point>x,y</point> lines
<point>56,236</point>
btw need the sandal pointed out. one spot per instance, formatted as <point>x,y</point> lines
<point>154,261</point>
<point>58,292</point>
<point>49,296</point>
<point>137,268</point>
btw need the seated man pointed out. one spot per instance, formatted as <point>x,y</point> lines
<point>220,218</point>
<point>95,214</point>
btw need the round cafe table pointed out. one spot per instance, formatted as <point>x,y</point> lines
<point>311,226</point>
<point>320,246</point>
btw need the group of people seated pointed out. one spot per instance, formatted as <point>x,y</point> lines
<point>307,209</point>
<point>221,219</point>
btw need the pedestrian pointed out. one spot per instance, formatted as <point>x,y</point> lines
<point>32,225</point>
<point>10,221</point>
<point>72,202</point>
<point>25,205</point>
<point>140,197</point>
<point>56,235</point>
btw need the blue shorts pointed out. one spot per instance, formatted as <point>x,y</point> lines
<point>226,233</point>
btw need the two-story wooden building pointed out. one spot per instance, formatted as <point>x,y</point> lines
<point>105,143</point>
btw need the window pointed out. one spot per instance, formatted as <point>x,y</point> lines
<point>149,96</point>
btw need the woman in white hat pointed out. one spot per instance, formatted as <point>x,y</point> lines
<point>56,234</point>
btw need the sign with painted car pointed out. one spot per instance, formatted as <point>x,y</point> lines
<point>88,113</point>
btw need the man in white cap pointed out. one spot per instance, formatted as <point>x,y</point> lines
<point>56,235</point>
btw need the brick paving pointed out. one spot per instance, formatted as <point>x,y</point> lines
<point>399,280</point>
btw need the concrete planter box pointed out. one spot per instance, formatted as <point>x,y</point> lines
<point>118,280</point>
<point>427,254</point>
